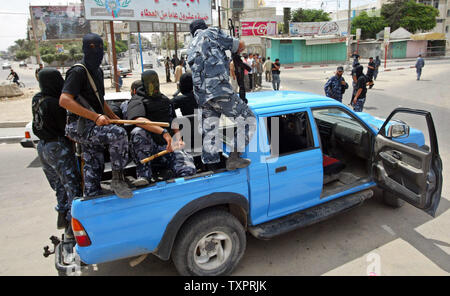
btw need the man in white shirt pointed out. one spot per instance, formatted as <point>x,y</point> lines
<point>251,63</point>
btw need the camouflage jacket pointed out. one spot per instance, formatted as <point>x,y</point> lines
<point>210,64</point>
<point>334,88</point>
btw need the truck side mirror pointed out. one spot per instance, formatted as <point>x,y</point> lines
<point>398,130</point>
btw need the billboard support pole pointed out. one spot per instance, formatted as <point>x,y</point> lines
<point>175,40</point>
<point>140,45</point>
<point>113,46</point>
<point>218,12</point>
<point>38,55</point>
<point>130,56</point>
<point>105,28</point>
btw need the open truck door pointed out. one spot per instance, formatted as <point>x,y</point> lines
<point>410,170</point>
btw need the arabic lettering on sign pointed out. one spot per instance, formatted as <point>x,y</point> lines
<point>180,11</point>
<point>258,28</point>
<point>164,15</point>
<point>315,28</point>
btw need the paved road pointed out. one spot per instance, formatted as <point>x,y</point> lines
<point>404,241</point>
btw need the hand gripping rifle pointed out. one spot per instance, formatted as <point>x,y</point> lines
<point>239,65</point>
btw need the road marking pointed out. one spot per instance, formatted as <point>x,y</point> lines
<point>388,229</point>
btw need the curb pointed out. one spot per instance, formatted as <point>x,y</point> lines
<point>10,140</point>
<point>396,69</point>
<point>12,124</point>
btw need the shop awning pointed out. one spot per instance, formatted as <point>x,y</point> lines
<point>428,36</point>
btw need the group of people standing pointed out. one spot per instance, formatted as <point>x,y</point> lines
<point>259,65</point>
<point>335,86</point>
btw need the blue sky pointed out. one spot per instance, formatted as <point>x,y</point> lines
<point>13,17</point>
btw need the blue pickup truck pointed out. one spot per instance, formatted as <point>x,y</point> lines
<point>312,158</point>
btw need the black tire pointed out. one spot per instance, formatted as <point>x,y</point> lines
<point>391,200</point>
<point>203,227</point>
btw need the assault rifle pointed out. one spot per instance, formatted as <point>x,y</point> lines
<point>239,65</point>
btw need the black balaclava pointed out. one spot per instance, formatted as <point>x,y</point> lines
<point>359,71</point>
<point>186,84</point>
<point>150,82</point>
<point>197,25</point>
<point>51,82</point>
<point>93,51</point>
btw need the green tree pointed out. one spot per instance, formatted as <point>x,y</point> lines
<point>48,58</point>
<point>369,26</point>
<point>22,55</point>
<point>45,49</point>
<point>410,15</point>
<point>310,15</point>
<point>171,43</point>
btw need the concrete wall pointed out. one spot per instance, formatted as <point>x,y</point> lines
<point>367,50</point>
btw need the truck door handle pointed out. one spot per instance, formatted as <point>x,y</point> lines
<point>280,169</point>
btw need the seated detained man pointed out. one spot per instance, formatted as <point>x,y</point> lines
<point>149,104</point>
<point>214,94</point>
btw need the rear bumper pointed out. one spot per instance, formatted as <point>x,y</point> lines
<point>66,269</point>
<point>27,143</point>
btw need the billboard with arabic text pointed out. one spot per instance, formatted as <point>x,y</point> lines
<point>165,11</point>
<point>318,28</point>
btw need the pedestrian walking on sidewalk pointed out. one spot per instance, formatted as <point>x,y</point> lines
<point>420,63</point>
<point>259,71</point>
<point>377,66</point>
<point>276,75</point>
<point>268,69</point>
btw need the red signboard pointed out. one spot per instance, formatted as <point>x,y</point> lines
<point>258,28</point>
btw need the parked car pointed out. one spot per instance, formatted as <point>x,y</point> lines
<point>112,99</point>
<point>327,161</point>
<point>22,64</point>
<point>6,65</point>
<point>148,65</point>
<point>108,74</point>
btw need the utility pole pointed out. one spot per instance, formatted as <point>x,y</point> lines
<point>349,28</point>
<point>113,47</point>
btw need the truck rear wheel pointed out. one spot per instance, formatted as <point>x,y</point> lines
<point>209,244</point>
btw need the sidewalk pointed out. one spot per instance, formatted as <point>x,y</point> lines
<point>15,113</point>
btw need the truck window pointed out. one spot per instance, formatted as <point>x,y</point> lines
<point>294,133</point>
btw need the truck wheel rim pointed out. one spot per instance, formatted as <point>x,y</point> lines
<point>213,250</point>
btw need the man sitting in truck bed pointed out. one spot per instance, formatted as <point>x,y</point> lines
<point>150,104</point>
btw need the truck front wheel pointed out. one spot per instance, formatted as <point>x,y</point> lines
<point>209,244</point>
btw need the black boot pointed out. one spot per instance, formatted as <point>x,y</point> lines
<point>62,222</point>
<point>236,162</point>
<point>119,186</point>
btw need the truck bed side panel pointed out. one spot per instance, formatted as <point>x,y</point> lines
<point>120,228</point>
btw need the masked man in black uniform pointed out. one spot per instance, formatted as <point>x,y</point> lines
<point>89,121</point>
<point>54,149</point>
